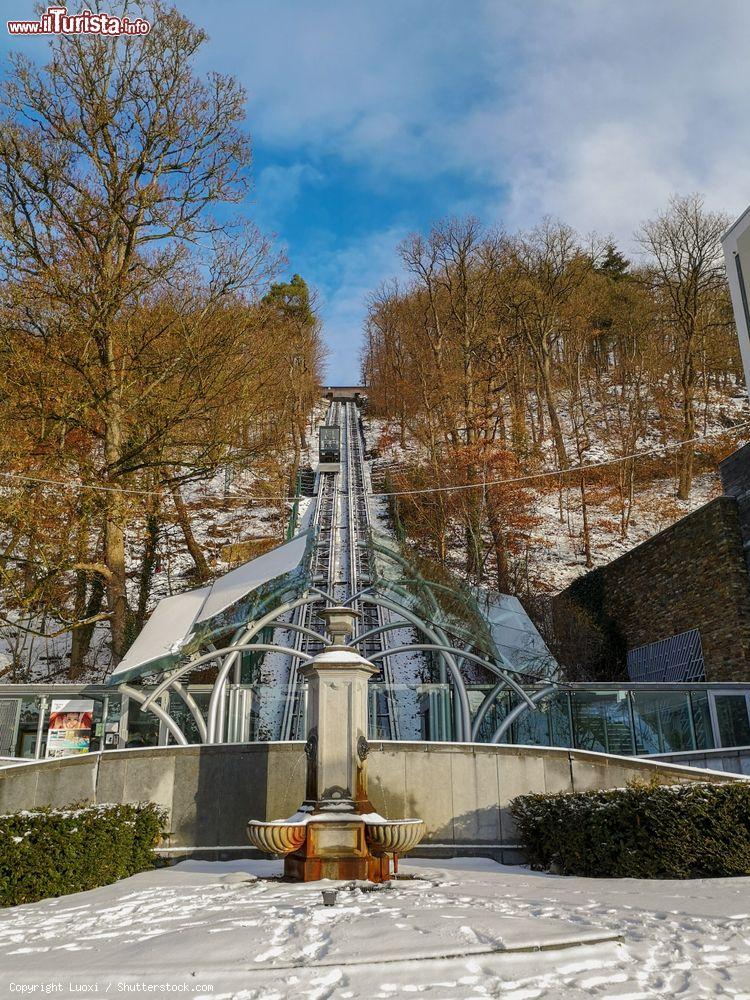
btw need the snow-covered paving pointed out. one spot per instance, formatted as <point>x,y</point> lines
<point>232,930</point>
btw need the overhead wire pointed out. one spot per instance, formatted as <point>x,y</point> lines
<point>556,473</point>
<point>479,484</point>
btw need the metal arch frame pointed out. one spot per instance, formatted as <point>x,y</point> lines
<point>469,656</point>
<point>246,630</point>
<point>487,702</point>
<point>529,701</point>
<point>192,705</point>
<point>388,627</point>
<point>394,626</point>
<point>302,629</point>
<point>244,634</point>
<point>350,600</point>
<point>158,711</point>
<point>190,702</point>
<point>462,710</point>
<point>237,647</point>
<point>502,671</point>
<point>463,715</point>
<point>427,586</point>
<point>511,717</point>
<point>208,730</point>
<point>229,652</point>
<point>505,663</point>
<point>464,653</point>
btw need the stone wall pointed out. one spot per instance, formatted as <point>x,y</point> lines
<point>692,575</point>
<point>735,479</point>
<point>461,791</point>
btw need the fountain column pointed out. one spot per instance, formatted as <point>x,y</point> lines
<point>336,834</point>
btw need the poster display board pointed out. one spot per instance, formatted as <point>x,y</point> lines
<point>70,723</point>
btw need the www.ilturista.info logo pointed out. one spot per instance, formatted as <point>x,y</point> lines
<point>57,21</point>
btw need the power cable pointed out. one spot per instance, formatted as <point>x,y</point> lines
<point>482,484</point>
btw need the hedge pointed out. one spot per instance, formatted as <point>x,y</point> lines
<point>51,852</point>
<point>692,830</point>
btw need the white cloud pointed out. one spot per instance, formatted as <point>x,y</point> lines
<point>619,104</point>
<point>369,82</point>
<point>591,110</point>
<point>277,188</point>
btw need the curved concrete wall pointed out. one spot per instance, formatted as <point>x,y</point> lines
<point>461,791</point>
<point>736,760</point>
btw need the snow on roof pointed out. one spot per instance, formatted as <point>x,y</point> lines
<point>229,589</point>
<point>174,619</point>
<point>162,635</point>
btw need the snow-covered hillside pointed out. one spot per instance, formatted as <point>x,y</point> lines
<point>552,550</point>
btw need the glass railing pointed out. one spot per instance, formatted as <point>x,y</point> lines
<point>620,721</point>
<point>631,719</point>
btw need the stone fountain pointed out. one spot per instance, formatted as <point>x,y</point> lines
<point>336,833</point>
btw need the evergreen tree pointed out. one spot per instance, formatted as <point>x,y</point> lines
<point>614,265</point>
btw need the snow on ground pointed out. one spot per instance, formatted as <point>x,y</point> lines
<point>233,930</point>
<point>555,551</point>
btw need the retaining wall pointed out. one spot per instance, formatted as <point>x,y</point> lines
<point>735,760</point>
<point>461,791</point>
<point>691,575</point>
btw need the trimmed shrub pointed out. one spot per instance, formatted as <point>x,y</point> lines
<point>52,852</point>
<point>692,830</point>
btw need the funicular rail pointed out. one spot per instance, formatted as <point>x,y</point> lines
<point>340,569</point>
<point>372,616</point>
<point>325,524</point>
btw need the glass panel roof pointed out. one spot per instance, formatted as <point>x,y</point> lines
<point>160,640</point>
<point>494,625</point>
<point>180,625</point>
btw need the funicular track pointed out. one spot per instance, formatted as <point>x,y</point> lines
<point>322,571</point>
<point>372,616</point>
<point>340,570</point>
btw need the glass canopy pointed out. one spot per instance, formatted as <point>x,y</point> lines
<point>179,625</point>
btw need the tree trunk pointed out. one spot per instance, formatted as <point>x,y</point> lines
<point>115,521</point>
<point>688,415</point>
<point>81,637</point>
<point>77,652</point>
<point>554,418</point>
<point>502,567</point>
<point>148,562</point>
<point>586,531</point>
<point>196,553</point>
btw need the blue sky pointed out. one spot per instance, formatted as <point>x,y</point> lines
<point>371,120</point>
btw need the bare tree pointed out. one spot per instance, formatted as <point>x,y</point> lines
<point>112,157</point>
<point>548,268</point>
<point>687,265</point>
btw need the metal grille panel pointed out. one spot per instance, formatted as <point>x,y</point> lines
<point>10,709</point>
<point>678,658</point>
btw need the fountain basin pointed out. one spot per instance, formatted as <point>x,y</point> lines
<point>276,838</point>
<point>397,836</point>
